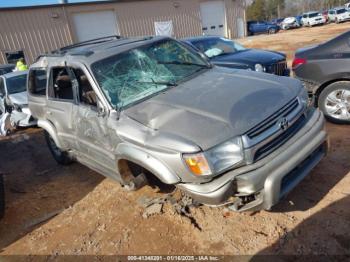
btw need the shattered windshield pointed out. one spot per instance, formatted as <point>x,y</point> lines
<point>217,46</point>
<point>144,71</point>
<point>16,84</point>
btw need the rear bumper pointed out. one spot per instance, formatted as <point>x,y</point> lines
<point>263,184</point>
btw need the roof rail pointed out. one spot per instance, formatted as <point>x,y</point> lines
<point>88,42</point>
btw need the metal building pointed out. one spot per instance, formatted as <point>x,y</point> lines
<point>31,31</point>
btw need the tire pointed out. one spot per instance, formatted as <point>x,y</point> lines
<point>334,102</point>
<point>60,156</point>
<point>2,197</point>
<point>272,31</point>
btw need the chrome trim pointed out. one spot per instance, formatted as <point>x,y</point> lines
<point>252,145</point>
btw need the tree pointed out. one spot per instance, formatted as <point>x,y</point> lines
<point>257,11</point>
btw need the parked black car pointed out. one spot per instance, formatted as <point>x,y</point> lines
<point>7,68</point>
<point>2,197</point>
<point>325,71</point>
<point>227,53</point>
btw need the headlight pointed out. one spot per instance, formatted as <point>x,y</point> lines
<point>304,97</point>
<point>259,68</point>
<point>217,159</point>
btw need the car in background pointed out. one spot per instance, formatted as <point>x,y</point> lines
<point>325,71</point>
<point>299,19</point>
<point>277,21</point>
<point>227,53</point>
<point>261,27</point>
<point>7,68</point>
<point>312,19</point>
<point>325,14</point>
<point>338,15</point>
<point>290,23</point>
<point>14,100</point>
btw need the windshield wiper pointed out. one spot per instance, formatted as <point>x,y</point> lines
<point>182,63</point>
<point>165,83</point>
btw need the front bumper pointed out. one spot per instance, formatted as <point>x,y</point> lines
<point>262,184</point>
<point>319,22</point>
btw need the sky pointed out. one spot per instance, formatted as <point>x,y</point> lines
<point>11,3</point>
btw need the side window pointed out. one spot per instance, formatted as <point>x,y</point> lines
<point>87,95</point>
<point>61,84</point>
<point>37,80</point>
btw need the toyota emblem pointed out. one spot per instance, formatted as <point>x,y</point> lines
<point>283,123</point>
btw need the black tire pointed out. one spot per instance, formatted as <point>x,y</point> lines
<point>2,197</point>
<point>60,156</point>
<point>322,99</point>
<point>272,31</point>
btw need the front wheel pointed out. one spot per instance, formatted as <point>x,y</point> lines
<point>334,102</point>
<point>272,31</point>
<point>60,156</point>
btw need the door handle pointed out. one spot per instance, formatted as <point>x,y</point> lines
<point>49,112</point>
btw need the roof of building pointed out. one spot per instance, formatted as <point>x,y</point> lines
<point>63,5</point>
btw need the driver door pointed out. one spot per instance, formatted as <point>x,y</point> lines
<point>93,136</point>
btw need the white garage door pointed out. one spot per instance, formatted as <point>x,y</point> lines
<point>213,18</point>
<point>95,24</point>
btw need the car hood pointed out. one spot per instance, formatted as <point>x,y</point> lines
<point>250,56</point>
<point>19,98</point>
<point>217,105</point>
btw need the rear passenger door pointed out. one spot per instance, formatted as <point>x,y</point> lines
<point>62,95</point>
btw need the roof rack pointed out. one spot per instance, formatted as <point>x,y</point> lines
<point>88,42</point>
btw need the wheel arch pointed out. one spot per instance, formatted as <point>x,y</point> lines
<point>144,160</point>
<point>50,128</point>
<point>326,84</point>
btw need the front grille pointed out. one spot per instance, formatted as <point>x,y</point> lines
<point>280,140</point>
<point>272,120</point>
<point>279,68</point>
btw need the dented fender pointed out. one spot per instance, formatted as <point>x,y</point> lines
<point>146,160</point>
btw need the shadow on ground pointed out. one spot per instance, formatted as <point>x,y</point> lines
<point>327,232</point>
<point>36,187</point>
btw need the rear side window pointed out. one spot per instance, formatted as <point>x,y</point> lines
<point>37,81</point>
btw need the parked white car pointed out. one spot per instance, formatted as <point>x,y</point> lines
<point>14,100</point>
<point>313,18</point>
<point>338,15</point>
<point>289,23</point>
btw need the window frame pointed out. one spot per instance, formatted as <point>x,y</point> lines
<point>36,94</point>
<point>50,87</point>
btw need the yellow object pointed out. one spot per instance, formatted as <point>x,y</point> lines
<point>20,66</point>
<point>197,164</point>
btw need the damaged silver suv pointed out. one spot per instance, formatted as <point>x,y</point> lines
<point>153,109</point>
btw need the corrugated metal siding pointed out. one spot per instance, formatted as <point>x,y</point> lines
<point>36,31</point>
<point>33,31</point>
<point>137,18</point>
